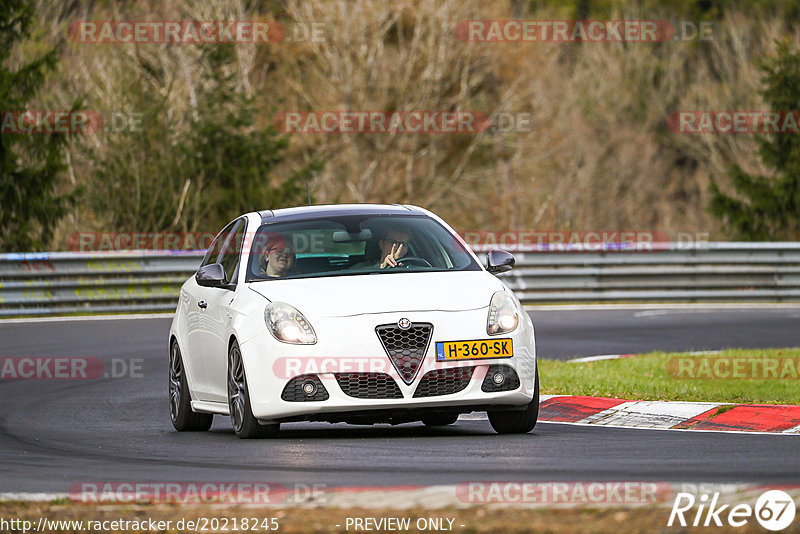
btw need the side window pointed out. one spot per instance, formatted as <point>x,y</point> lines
<point>212,255</point>
<point>231,250</point>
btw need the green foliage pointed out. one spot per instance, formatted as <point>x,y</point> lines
<point>653,377</point>
<point>685,9</point>
<point>196,172</point>
<point>768,207</point>
<point>30,164</point>
<point>231,154</point>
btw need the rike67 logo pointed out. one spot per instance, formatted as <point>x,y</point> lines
<point>774,510</point>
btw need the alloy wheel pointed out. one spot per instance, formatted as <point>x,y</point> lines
<point>236,388</point>
<point>175,376</point>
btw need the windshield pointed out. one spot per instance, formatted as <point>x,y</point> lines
<point>355,245</point>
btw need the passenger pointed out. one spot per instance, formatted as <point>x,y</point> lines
<point>278,258</point>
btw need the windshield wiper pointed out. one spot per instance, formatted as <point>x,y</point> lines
<point>387,271</point>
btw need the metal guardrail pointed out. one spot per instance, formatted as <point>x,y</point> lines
<point>705,272</point>
<point>104,282</point>
<point>109,282</point>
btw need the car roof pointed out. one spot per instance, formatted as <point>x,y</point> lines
<point>336,210</point>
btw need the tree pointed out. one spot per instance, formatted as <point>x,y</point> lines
<point>30,164</point>
<point>192,172</point>
<point>233,156</point>
<point>768,207</point>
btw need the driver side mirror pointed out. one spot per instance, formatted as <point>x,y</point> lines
<point>499,261</point>
<point>211,275</point>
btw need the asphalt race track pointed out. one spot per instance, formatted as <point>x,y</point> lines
<point>566,334</point>
<point>56,433</point>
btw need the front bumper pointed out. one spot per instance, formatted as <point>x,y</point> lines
<point>350,344</point>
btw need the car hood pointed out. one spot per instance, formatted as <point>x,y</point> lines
<point>342,296</point>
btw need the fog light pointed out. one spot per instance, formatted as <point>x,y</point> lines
<point>498,378</point>
<point>309,388</point>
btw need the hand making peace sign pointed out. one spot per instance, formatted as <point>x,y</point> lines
<point>398,251</point>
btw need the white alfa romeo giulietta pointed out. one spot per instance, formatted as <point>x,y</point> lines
<point>349,313</point>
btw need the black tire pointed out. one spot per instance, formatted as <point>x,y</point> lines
<point>518,421</point>
<point>442,419</point>
<point>180,402</point>
<point>244,423</point>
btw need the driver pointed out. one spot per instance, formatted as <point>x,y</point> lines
<point>394,245</point>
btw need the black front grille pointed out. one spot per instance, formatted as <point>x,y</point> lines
<point>444,381</point>
<point>509,384</point>
<point>406,348</point>
<point>293,392</point>
<point>369,385</point>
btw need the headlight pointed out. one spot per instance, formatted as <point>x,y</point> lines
<point>503,314</point>
<point>288,325</point>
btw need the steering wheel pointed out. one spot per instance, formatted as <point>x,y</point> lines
<point>415,259</point>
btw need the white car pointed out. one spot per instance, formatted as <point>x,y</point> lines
<point>349,313</point>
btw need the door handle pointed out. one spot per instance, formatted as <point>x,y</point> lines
<point>202,304</point>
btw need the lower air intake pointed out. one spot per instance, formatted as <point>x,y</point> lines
<point>369,385</point>
<point>444,381</point>
<point>294,390</point>
<point>510,379</point>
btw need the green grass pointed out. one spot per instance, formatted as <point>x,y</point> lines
<point>647,377</point>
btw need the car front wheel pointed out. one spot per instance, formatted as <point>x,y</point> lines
<point>518,421</point>
<point>244,423</point>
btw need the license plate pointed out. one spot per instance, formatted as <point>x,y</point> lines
<point>474,350</point>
